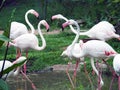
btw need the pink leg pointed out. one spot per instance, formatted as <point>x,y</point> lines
<point>69,75</point>
<point>18,53</point>
<point>25,67</point>
<point>75,71</point>
<point>99,87</point>
<point>87,74</point>
<point>33,86</point>
<point>111,82</point>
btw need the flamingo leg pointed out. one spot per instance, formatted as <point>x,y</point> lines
<point>99,77</point>
<point>94,68</point>
<point>18,53</point>
<point>75,71</point>
<point>111,82</point>
<point>25,67</point>
<point>69,75</point>
<point>87,74</point>
<point>32,84</point>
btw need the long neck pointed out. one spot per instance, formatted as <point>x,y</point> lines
<point>42,38</point>
<point>84,33</point>
<point>76,38</point>
<point>27,21</point>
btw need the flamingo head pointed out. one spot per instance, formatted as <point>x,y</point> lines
<point>69,22</point>
<point>45,24</point>
<point>58,16</point>
<point>34,13</point>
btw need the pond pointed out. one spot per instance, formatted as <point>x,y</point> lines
<point>59,81</point>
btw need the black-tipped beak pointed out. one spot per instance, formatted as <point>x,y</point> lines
<point>38,18</point>
<point>62,28</point>
<point>48,30</point>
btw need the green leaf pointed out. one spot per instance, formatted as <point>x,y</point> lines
<point>3,85</point>
<point>4,38</point>
<point>7,70</point>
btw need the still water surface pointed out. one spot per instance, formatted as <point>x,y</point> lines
<point>59,81</point>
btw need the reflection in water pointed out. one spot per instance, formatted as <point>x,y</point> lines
<point>58,81</point>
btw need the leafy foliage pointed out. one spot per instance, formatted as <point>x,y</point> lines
<point>3,85</point>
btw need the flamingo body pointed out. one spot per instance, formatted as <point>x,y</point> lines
<point>26,41</point>
<point>116,64</point>
<point>97,49</point>
<point>17,29</point>
<point>103,31</point>
<point>76,50</point>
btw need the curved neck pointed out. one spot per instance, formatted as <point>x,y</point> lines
<point>76,37</point>
<point>27,21</point>
<point>42,38</point>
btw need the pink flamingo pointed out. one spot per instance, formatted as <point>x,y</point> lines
<point>93,49</point>
<point>102,31</point>
<point>29,40</point>
<point>18,29</point>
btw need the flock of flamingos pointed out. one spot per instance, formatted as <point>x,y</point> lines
<point>95,47</point>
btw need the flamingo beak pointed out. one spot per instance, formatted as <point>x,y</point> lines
<point>64,25</point>
<point>62,28</point>
<point>47,27</point>
<point>38,18</point>
<point>119,38</point>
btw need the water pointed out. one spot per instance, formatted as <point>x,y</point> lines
<point>59,81</point>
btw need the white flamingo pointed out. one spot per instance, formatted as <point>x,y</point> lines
<point>102,31</point>
<point>93,49</point>
<point>30,41</point>
<point>76,49</point>
<point>7,64</point>
<point>18,29</point>
<point>15,72</point>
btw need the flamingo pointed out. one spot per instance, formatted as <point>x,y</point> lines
<point>93,49</point>
<point>76,49</point>
<point>116,66</point>
<point>18,29</point>
<point>102,31</point>
<point>14,72</point>
<point>30,41</point>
